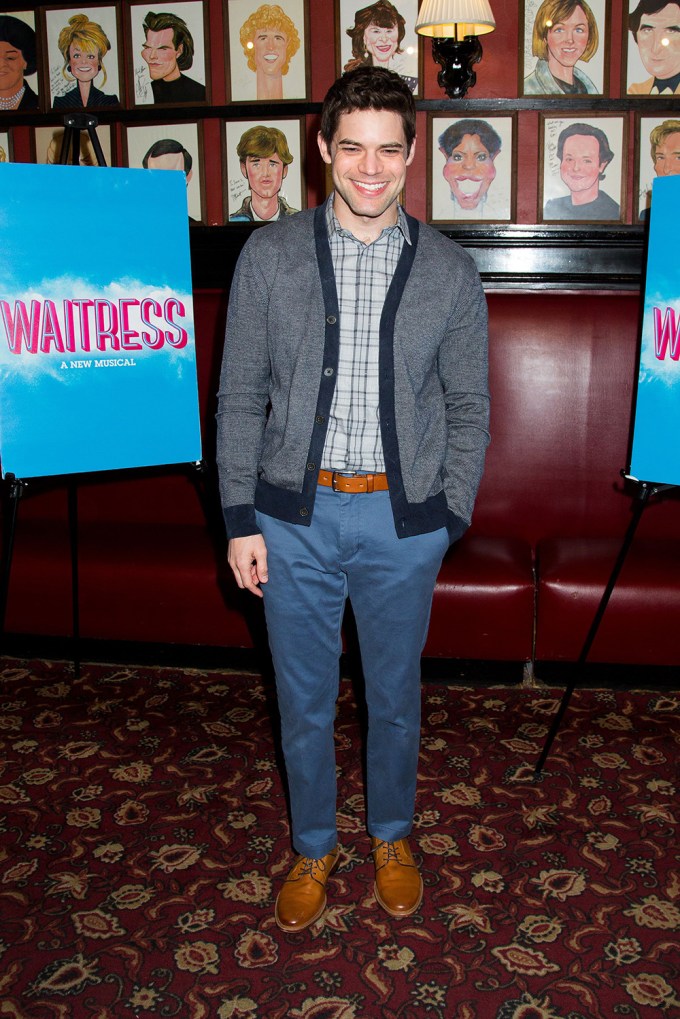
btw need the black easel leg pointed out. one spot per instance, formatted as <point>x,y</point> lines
<point>75,577</point>
<point>9,531</point>
<point>642,500</point>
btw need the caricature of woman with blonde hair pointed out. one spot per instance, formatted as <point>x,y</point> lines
<point>83,45</point>
<point>270,40</point>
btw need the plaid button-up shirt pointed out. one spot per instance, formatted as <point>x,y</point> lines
<point>363,273</point>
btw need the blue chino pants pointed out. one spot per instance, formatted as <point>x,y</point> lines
<point>350,550</point>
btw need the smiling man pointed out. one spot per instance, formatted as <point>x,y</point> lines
<point>264,158</point>
<point>655,26</point>
<point>352,428</point>
<point>584,154</point>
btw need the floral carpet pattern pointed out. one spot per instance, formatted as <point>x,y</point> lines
<point>144,835</point>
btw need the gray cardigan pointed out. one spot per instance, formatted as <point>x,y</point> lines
<point>278,378</point>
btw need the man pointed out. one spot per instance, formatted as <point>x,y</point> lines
<point>169,154</point>
<point>664,140</point>
<point>352,428</point>
<point>264,158</point>
<point>584,154</point>
<point>270,40</point>
<point>655,25</point>
<point>168,50</point>
<point>470,148</point>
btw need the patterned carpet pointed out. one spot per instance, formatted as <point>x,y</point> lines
<point>144,837</point>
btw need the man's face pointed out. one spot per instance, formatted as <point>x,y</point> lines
<point>161,56</point>
<point>12,67</point>
<point>580,168</point>
<point>269,49</point>
<point>168,161</point>
<point>368,159</point>
<point>469,171</point>
<point>658,40</point>
<point>667,156</point>
<point>265,174</point>
<point>568,39</point>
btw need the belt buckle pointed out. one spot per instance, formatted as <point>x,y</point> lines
<point>334,479</point>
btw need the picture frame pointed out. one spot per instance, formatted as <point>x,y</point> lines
<point>284,183</point>
<point>46,145</point>
<point>568,59</point>
<point>645,61</point>
<point>6,152</point>
<point>655,135</point>
<point>578,182</point>
<point>275,68</point>
<point>388,41</point>
<point>471,168</point>
<point>94,33</point>
<point>158,57</point>
<point>175,146</point>
<point>21,29</point>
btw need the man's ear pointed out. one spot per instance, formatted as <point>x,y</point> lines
<point>324,149</point>
<point>188,176</point>
<point>285,171</point>
<point>243,169</point>
<point>410,157</point>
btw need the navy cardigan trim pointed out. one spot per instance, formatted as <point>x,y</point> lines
<point>297,507</point>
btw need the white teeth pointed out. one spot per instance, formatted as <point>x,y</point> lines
<point>469,187</point>
<point>370,187</point>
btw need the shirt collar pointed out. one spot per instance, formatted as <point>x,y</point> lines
<point>333,226</point>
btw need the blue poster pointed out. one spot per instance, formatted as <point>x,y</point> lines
<point>655,456</point>
<point>97,347</point>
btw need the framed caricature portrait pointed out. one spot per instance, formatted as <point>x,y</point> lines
<point>565,47</point>
<point>170,147</point>
<point>5,147</point>
<point>263,169</point>
<point>657,154</point>
<point>582,168</point>
<point>651,48</point>
<point>168,54</point>
<point>471,163</point>
<point>83,57</point>
<point>267,50</point>
<point>381,34</point>
<point>19,88</point>
<point>47,142</point>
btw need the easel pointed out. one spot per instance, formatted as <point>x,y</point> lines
<point>643,495</point>
<point>13,488</point>
<point>74,123</point>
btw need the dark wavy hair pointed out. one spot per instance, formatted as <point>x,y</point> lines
<point>368,88</point>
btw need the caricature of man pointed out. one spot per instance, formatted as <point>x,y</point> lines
<point>655,26</point>
<point>664,140</point>
<point>264,158</point>
<point>270,40</point>
<point>168,154</point>
<point>470,148</point>
<point>584,154</point>
<point>169,50</point>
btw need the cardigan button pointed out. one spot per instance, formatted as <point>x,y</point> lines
<point>320,419</point>
<point>328,372</point>
<point>304,512</point>
<point>311,466</point>
<point>331,319</point>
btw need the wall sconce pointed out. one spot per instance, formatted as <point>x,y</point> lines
<point>453,26</point>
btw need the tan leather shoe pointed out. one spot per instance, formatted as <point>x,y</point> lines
<point>398,884</point>
<point>302,898</point>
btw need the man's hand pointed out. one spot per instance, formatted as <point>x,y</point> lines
<point>248,560</point>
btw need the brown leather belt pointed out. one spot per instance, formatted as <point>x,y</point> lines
<point>353,483</point>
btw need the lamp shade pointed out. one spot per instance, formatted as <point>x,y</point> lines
<point>447,19</point>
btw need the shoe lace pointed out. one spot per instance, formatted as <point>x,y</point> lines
<point>390,851</point>
<point>309,867</point>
